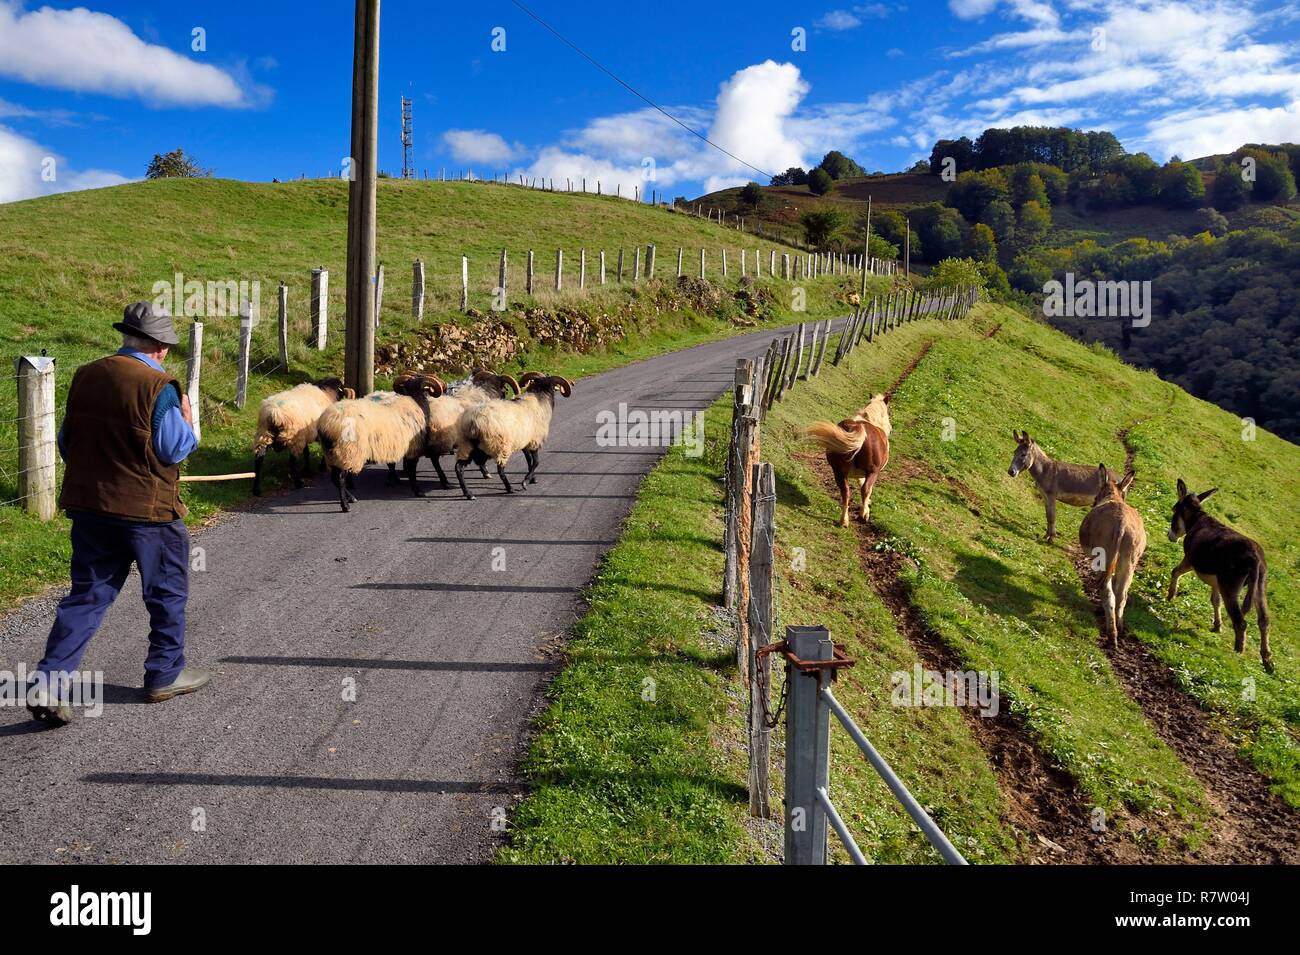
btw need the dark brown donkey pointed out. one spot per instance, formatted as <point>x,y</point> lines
<point>857,449</point>
<point>1226,561</point>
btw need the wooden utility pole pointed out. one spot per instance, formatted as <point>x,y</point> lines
<point>907,248</point>
<point>359,348</point>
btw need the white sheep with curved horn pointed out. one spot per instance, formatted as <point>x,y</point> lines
<point>496,430</point>
<point>385,427</point>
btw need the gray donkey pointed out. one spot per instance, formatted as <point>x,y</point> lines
<point>1076,484</point>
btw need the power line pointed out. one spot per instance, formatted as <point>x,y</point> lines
<point>633,90</point>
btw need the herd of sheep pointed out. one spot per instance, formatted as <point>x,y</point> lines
<point>420,417</point>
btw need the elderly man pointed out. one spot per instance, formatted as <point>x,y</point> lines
<point>126,428</point>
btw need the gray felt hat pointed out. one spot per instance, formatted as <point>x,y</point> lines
<point>141,318</point>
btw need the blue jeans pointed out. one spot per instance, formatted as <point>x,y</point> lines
<point>103,549</point>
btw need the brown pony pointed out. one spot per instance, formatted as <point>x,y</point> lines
<point>857,449</point>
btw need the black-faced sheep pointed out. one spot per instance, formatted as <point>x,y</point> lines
<point>446,411</point>
<point>385,427</point>
<point>499,428</point>
<point>286,421</point>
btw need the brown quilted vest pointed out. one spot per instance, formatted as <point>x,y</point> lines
<point>108,443</point>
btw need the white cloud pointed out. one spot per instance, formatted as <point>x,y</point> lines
<point>556,163</point>
<point>630,137</point>
<point>92,52</point>
<point>478,146</point>
<point>1197,132</point>
<point>838,20</point>
<point>25,167</point>
<point>750,121</point>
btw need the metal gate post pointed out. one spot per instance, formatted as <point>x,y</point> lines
<point>807,750</point>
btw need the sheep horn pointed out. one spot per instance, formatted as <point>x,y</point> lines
<point>529,376</point>
<point>431,380</point>
<point>510,380</point>
<point>350,394</point>
<point>565,386</point>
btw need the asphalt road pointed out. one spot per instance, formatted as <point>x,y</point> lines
<point>448,657</point>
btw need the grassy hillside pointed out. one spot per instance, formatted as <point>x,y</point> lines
<point>68,263</point>
<point>1177,739</point>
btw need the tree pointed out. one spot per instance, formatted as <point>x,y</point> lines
<point>920,167</point>
<point>1028,186</point>
<point>939,229</point>
<point>794,176</point>
<point>1273,178</point>
<point>980,244</point>
<point>1230,189</point>
<point>1181,185</point>
<point>1001,218</point>
<point>840,166</point>
<point>819,182</point>
<point>956,273</point>
<point>1032,224</point>
<point>820,226</point>
<point>752,195</point>
<point>175,165</point>
<point>973,191</point>
<point>961,151</point>
<point>1142,173</point>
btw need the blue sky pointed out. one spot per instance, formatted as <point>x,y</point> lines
<point>89,94</point>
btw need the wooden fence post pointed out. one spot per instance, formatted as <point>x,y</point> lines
<point>649,261</point>
<point>826,337</point>
<point>679,261</point>
<point>417,290</point>
<point>582,268</point>
<point>246,319</point>
<point>379,292</point>
<point>464,283</point>
<point>602,266</point>
<point>761,625</point>
<point>620,266</point>
<point>37,436</point>
<point>771,266</point>
<point>559,269</point>
<point>742,398</point>
<point>193,368</point>
<point>501,279</point>
<point>798,357</point>
<point>530,271</point>
<point>283,301</point>
<point>320,284</point>
<point>724,263</point>
<point>636,265</point>
<point>701,263</point>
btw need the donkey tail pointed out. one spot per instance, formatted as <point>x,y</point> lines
<point>836,439</point>
<point>1255,588</point>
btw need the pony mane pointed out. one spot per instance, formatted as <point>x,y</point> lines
<point>877,413</point>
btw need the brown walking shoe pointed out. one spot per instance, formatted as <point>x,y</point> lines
<point>187,681</point>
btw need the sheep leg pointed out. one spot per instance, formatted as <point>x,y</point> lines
<point>460,476</point>
<point>409,465</point>
<point>336,477</point>
<point>437,466</point>
<point>258,458</point>
<point>293,471</point>
<point>393,479</point>
<point>501,472</point>
<point>532,457</point>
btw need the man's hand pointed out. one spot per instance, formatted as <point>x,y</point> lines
<point>186,412</point>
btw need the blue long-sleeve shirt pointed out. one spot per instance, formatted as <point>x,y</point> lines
<point>173,438</point>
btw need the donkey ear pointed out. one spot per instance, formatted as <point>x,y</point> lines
<point>1125,483</point>
<point>1204,494</point>
<point>1182,489</point>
